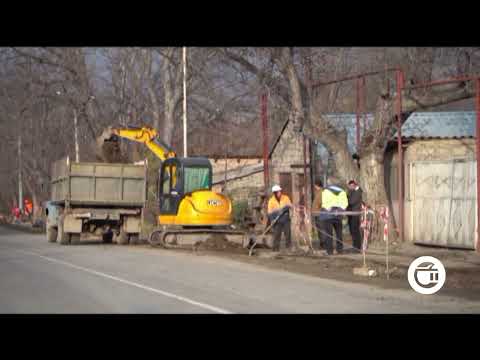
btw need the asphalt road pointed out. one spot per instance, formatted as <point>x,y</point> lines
<point>41,277</point>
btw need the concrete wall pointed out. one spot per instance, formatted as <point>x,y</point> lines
<point>218,165</point>
<point>288,152</point>
<point>243,188</point>
<point>243,177</point>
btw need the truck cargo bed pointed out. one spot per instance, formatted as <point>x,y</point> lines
<point>98,184</point>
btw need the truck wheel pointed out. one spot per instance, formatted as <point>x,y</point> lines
<point>134,239</point>
<point>122,238</point>
<point>74,239</point>
<point>63,238</point>
<point>52,234</point>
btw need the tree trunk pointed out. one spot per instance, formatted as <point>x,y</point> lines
<point>345,167</point>
<point>372,182</point>
<point>168,123</point>
<point>37,210</point>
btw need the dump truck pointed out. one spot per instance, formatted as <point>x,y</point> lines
<point>91,201</point>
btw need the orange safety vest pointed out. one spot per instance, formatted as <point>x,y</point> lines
<point>28,206</point>
<point>274,204</point>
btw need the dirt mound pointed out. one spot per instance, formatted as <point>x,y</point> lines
<point>107,148</point>
<point>219,242</point>
<point>109,151</point>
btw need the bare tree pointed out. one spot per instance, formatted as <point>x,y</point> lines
<point>307,110</point>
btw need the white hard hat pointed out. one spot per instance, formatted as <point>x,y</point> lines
<point>276,188</point>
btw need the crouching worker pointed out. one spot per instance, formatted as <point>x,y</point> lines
<point>334,199</point>
<point>278,211</point>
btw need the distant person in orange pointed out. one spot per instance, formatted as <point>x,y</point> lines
<point>279,210</point>
<point>28,207</point>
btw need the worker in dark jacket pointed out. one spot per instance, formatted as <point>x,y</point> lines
<point>317,206</point>
<point>355,204</point>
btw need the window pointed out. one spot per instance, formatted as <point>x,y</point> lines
<point>196,178</point>
<point>166,182</point>
<point>167,186</point>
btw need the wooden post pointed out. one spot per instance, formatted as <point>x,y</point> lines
<point>477,142</point>
<point>400,155</point>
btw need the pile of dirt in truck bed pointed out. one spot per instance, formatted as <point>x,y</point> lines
<point>219,242</point>
<point>107,148</point>
<point>110,152</point>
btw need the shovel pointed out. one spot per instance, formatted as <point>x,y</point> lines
<point>266,230</point>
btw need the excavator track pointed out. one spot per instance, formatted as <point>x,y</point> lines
<point>175,238</point>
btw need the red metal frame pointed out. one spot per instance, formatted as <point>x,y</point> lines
<point>266,175</point>
<point>442,82</point>
<point>400,87</point>
<point>477,143</point>
<point>305,177</point>
<point>361,108</point>
<point>360,94</point>
<point>352,77</point>
<point>308,180</point>
<point>400,179</point>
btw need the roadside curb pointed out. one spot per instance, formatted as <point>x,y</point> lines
<point>23,228</point>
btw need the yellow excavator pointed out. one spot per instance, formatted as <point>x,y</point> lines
<point>189,211</point>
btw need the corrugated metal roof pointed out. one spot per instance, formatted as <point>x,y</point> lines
<point>436,137</point>
<point>454,124</point>
<point>348,121</point>
<point>419,125</point>
<point>442,124</point>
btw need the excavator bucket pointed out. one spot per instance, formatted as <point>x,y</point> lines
<point>108,147</point>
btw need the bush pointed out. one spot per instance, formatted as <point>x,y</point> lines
<point>240,210</point>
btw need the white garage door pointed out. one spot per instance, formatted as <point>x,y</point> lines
<point>443,195</point>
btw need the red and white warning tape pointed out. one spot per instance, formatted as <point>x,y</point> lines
<point>366,226</point>
<point>384,216</point>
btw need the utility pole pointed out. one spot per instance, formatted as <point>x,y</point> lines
<point>77,155</point>
<point>263,111</point>
<point>20,184</point>
<point>75,124</point>
<point>184,101</point>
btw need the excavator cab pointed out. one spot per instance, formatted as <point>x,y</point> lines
<point>180,177</point>
<point>186,197</point>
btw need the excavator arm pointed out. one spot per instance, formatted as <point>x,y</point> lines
<point>185,200</point>
<point>145,135</point>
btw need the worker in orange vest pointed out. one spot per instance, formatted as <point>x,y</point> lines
<point>278,211</point>
<point>28,207</point>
